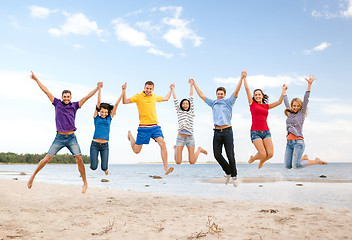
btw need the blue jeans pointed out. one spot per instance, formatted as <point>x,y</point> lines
<point>224,138</point>
<point>294,153</point>
<point>62,140</point>
<point>95,148</point>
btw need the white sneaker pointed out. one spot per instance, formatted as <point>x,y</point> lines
<point>234,181</point>
<point>227,178</point>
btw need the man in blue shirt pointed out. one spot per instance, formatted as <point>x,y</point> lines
<point>223,135</point>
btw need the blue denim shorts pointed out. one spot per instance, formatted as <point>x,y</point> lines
<point>185,141</point>
<point>260,135</point>
<point>145,134</point>
<point>62,140</point>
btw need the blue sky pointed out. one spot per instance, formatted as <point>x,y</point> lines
<point>74,44</point>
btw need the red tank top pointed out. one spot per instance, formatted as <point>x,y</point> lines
<point>259,115</point>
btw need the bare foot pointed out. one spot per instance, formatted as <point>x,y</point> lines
<point>251,160</point>
<point>202,151</point>
<point>30,182</point>
<point>174,147</point>
<point>169,170</point>
<point>319,161</point>
<point>106,172</point>
<point>261,164</point>
<point>129,135</point>
<point>84,188</point>
<point>305,157</point>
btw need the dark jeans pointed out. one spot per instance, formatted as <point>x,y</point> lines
<point>95,148</point>
<point>221,138</point>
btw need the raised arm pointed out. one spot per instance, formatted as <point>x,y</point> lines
<point>43,88</point>
<point>278,102</point>
<point>310,81</point>
<point>190,89</point>
<point>90,94</point>
<point>174,93</point>
<point>168,95</point>
<point>113,111</point>
<point>125,100</point>
<point>286,101</point>
<point>243,75</point>
<point>249,95</point>
<point>98,102</point>
<point>199,92</point>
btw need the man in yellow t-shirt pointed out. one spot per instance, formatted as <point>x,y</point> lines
<point>148,120</point>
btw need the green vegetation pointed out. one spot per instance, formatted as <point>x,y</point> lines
<point>35,158</point>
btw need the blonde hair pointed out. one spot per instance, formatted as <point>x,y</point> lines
<point>289,110</point>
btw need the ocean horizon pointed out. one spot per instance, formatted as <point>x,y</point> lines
<point>317,185</point>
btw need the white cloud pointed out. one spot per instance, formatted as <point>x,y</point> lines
<point>337,109</point>
<point>344,10</point>
<point>40,12</point>
<point>159,53</point>
<point>320,47</point>
<point>77,24</point>
<point>126,33</point>
<point>78,46</point>
<point>180,30</point>
<point>147,26</point>
<point>262,81</point>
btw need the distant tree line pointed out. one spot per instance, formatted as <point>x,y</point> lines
<point>35,158</point>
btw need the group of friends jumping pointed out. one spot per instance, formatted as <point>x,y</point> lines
<point>296,112</point>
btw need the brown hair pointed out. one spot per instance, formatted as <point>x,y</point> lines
<point>66,91</point>
<point>265,97</point>
<point>221,89</point>
<point>149,83</point>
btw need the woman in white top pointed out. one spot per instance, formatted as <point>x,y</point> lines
<point>185,116</point>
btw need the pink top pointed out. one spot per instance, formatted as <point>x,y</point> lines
<point>259,115</point>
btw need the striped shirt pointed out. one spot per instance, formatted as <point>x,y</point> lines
<point>185,118</point>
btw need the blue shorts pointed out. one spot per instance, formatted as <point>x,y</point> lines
<point>260,135</point>
<point>62,140</point>
<point>145,134</point>
<point>185,141</point>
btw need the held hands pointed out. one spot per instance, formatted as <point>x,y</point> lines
<point>311,79</point>
<point>191,81</point>
<point>124,86</point>
<point>100,84</point>
<point>284,88</point>
<point>172,86</point>
<point>243,74</point>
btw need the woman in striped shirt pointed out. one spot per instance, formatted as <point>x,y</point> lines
<point>185,116</point>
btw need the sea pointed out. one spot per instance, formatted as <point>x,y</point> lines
<point>191,180</point>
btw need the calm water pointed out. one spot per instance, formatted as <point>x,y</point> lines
<point>188,180</point>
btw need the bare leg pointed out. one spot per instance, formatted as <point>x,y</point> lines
<point>269,148</point>
<point>136,148</point>
<point>316,161</point>
<point>41,164</point>
<point>193,156</point>
<point>163,150</point>
<point>178,154</point>
<point>261,154</point>
<point>82,171</point>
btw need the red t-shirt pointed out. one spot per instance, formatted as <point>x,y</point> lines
<point>259,115</point>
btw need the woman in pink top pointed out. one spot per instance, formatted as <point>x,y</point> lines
<point>260,133</point>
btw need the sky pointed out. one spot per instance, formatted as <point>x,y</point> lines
<point>74,44</point>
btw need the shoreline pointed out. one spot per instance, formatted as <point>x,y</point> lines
<point>58,211</point>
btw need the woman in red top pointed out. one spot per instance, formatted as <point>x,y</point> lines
<point>260,133</point>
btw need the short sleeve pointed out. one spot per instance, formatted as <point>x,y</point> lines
<point>134,98</point>
<point>209,102</point>
<point>159,98</point>
<point>231,100</point>
<point>56,101</point>
<point>76,105</point>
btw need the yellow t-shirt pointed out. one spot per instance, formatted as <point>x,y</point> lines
<point>146,107</point>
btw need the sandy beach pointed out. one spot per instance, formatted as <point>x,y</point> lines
<point>55,211</point>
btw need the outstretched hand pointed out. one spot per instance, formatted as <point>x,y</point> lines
<point>172,86</point>
<point>33,76</point>
<point>284,87</point>
<point>243,74</point>
<point>310,79</point>
<point>100,84</point>
<point>191,81</point>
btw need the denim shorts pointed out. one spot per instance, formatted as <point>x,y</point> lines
<point>145,134</point>
<point>260,135</point>
<point>62,140</point>
<point>185,141</point>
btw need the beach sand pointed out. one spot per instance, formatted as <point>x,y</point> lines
<point>55,211</point>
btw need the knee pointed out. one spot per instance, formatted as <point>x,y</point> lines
<point>269,155</point>
<point>136,151</point>
<point>46,159</point>
<point>79,159</point>
<point>262,155</point>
